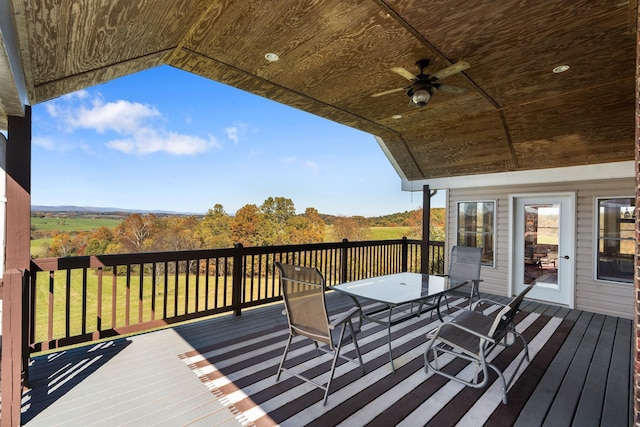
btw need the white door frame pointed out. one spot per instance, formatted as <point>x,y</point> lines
<point>566,278</point>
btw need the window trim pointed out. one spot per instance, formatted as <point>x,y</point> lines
<point>495,225</point>
<point>596,240</point>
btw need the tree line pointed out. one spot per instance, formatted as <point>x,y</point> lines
<point>274,222</point>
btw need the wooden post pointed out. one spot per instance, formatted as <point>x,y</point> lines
<point>236,293</point>
<point>17,263</point>
<point>426,229</point>
<point>344,261</point>
<point>636,281</point>
<point>405,254</point>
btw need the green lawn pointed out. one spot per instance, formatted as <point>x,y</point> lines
<point>386,233</point>
<point>72,224</point>
<point>40,246</point>
<point>133,302</point>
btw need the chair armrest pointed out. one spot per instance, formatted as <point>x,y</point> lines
<point>490,301</point>
<point>343,317</point>
<point>466,329</point>
<point>472,320</point>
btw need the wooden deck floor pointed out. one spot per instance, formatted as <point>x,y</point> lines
<point>140,380</point>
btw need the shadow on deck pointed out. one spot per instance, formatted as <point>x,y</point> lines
<point>221,371</point>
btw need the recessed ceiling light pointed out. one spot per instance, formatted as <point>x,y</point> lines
<point>561,69</point>
<point>272,57</point>
<point>396,116</point>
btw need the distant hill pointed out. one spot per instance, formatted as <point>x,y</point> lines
<point>95,210</point>
<point>391,220</point>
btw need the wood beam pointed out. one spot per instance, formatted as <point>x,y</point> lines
<point>426,228</point>
<point>17,240</point>
<point>636,315</point>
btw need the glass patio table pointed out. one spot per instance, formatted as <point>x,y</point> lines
<point>395,290</point>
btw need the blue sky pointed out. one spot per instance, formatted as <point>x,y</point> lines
<point>164,139</point>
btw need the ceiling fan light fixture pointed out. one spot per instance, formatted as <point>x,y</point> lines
<point>561,69</point>
<point>420,97</point>
<point>271,57</point>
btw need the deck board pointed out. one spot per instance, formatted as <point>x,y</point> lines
<point>589,408</point>
<point>535,411</point>
<point>139,380</point>
<point>616,408</point>
<point>568,396</point>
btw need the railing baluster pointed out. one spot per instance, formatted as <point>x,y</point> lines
<point>67,304</point>
<point>165,297</point>
<point>99,304</point>
<point>127,309</point>
<point>141,294</point>
<point>114,296</point>
<point>243,277</point>
<point>154,284</point>
<point>50,305</point>
<point>84,301</point>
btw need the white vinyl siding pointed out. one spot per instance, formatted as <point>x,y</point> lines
<point>593,295</point>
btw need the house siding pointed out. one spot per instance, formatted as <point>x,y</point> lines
<point>597,296</point>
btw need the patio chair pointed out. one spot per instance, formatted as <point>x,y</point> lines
<point>303,291</point>
<point>472,336</point>
<point>464,265</point>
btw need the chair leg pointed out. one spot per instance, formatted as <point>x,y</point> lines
<point>355,344</point>
<point>336,354</point>
<point>284,356</point>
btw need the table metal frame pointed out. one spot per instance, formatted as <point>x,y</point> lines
<point>396,280</point>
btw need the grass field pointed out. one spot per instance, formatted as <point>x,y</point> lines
<point>72,224</point>
<point>134,302</point>
<point>386,233</point>
<point>39,246</point>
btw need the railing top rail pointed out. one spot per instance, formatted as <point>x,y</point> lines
<point>113,260</point>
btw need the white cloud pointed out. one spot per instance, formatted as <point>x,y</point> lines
<point>315,168</point>
<point>289,160</point>
<point>235,132</point>
<point>44,142</point>
<point>147,141</point>
<point>136,123</point>
<point>121,116</point>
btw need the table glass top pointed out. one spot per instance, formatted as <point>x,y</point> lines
<point>399,288</point>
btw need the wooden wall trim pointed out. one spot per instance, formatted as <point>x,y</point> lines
<point>636,281</point>
<point>18,172</point>
<point>17,263</point>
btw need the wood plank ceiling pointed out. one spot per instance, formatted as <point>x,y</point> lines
<point>334,54</point>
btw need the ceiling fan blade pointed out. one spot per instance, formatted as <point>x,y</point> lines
<point>404,73</point>
<point>387,92</point>
<point>450,89</point>
<point>450,70</point>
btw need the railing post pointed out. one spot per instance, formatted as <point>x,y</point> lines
<point>238,273</point>
<point>426,228</point>
<point>12,357</point>
<point>405,254</point>
<point>344,261</point>
<point>27,295</point>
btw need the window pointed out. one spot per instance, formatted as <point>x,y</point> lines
<point>476,227</point>
<point>616,242</point>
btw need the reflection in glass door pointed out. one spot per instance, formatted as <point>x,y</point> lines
<point>544,246</point>
<point>540,244</point>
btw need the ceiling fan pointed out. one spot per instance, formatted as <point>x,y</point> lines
<point>424,85</point>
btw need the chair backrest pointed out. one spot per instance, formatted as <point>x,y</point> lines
<point>505,317</point>
<point>465,263</point>
<point>303,294</point>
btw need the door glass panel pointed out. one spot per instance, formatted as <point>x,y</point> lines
<point>541,237</point>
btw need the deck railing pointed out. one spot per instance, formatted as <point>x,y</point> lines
<point>80,299</point>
